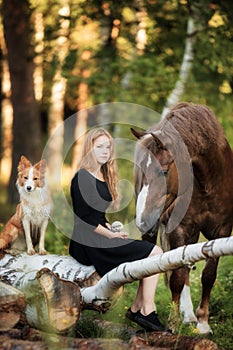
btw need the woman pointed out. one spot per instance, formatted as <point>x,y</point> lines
<point>93,190</point>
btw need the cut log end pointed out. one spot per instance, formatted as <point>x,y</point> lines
<point>63,299</point>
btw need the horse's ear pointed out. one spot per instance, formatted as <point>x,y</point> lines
<point>158,139</point>
<point>138,133</point>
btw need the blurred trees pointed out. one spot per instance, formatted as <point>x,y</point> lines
<point>26,125</point>
<point>130,51</point>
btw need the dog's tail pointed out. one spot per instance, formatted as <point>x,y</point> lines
<point>11,230</point>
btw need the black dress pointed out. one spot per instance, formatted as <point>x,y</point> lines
<point>91,198</point>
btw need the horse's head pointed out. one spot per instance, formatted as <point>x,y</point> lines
<point>155,176</point>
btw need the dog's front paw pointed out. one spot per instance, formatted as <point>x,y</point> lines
<point>31,251</point>
<point>13,251</point>
<point>42,252</point>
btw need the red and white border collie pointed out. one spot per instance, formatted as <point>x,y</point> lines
<point>27,227</point>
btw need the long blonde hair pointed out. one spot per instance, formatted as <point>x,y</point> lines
<point>88,160</point>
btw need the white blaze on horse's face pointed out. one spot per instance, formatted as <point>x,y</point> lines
<point>149,161</point>
<point>140,207</point>
<point>150,200</point>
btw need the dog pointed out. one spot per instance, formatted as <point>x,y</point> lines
<point>27,227</point>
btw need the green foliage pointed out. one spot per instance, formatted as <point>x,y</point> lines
<point>119,71</point>
<point>56,242</point>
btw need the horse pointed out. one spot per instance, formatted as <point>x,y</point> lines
<point>183,180</point>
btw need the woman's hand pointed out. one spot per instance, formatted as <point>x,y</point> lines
<point>108,226</point>
<point>104,231</point>
<point>121,234</point>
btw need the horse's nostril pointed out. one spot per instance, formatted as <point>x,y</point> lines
<point>143,227</point>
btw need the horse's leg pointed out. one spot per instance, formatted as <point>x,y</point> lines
<point>208,278</point>
<point>186,305</point>
<point>176,282</point>
<point>171,241</point>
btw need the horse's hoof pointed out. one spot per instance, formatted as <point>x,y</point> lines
<point>203,328</point>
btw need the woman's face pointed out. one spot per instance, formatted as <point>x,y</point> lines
<point>102,149</point>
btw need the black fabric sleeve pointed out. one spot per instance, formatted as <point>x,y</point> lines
<point>83,194</point>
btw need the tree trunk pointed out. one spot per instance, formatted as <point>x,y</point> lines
<point>6,116</point>
<point>56,109</point>
<point>108,288</point>
<point>79,135</point>
<point>14,268</point>
<point>1,93</point>
<point>38,60</point>
<point>12,306</point>
<point>26,122</point>
<point>82,115</point>
<point>193,27</point>
<point>141,36</point>
<point>20,272</point>
<point>52,303</point>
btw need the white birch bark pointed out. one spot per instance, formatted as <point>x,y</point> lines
<point>52,304</point>
<point>193,26</point>
<point>17,270</point>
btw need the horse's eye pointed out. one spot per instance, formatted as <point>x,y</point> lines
<point>163,172</point>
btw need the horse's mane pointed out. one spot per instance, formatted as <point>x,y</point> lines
<point>197,127</point>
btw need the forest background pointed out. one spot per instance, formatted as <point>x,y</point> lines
<point>59,58</point>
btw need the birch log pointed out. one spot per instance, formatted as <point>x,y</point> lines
<point>105,291</point>
<point>30,274</point>
<point>53,300</point>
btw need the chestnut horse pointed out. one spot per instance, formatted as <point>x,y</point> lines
<point>184,184</point>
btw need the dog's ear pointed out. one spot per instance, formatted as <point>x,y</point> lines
<point>41,166</point>
<point>23,163</point>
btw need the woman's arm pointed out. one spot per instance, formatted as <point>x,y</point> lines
<point>109,234</point>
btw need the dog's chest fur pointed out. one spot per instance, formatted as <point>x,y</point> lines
<point>35,206</point>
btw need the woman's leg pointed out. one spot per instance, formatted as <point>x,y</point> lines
<point>143,309</point>
<point>144,300</point>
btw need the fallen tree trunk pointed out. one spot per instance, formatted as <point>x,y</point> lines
<point>12,306</point>
<point>25,273</point>
<point>16,270</point>
<point>105,291</point>
<point>52,303</point>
